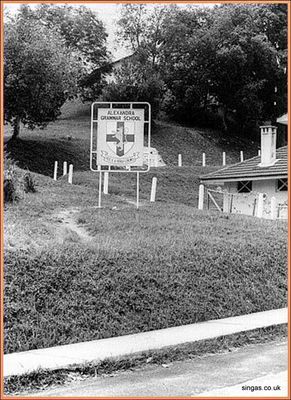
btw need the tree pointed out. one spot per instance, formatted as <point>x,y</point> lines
<point>81,30</point>
<point>141,30</point>
<point>233,53</point>
<point>140,79</point>
<point>245,70</point>
<point>184,60</point>
<point>85,36</point>
<point>135,81</point>
<point>40,73</point>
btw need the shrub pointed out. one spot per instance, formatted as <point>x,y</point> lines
<point>15,181</point>
<point>10,179</point>
<point>28,183</point>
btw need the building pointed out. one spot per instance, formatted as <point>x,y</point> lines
<point>108,71</point>
<point>257,186</point>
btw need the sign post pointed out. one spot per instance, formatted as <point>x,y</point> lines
<point>137,190</point>
<point>120,135</point>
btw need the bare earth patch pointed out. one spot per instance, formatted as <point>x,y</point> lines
<point>68,229</point>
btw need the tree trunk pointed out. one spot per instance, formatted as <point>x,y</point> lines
<point>224,118</point>
<point>16,128</point>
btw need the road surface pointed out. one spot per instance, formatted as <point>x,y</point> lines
<point>255,370</point>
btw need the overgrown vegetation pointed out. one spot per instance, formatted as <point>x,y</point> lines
<point>43,378</point>
<point>16,181</point>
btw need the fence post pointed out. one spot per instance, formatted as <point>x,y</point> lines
<point>273,207</point>
<point>70,177</point>
<point>153,190</point>
<point>223,159</point>
<point>241,156</point>
<point>56,170</point>
<point>65,168</point>
<point>260,207</point>
<point>203,160</point>
<point>231,203</point>
<point>105,184</point>
<point>226,201</point>
<point>201,197</point>
<point>179,160</point>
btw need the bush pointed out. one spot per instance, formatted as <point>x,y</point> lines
<point>16,181</point>
<point>10,180</point>
<point>28,183</point>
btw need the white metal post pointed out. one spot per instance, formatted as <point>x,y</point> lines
<point>179,160</point>
<point>137,190</point>
<point>241,156</point>
<point>56,170</point>
<point>203,160</point>
<point>273,207</point>
<point>100,187</point>
<point>105,184</point>
<point>153,190</point>
<point>201,197</point>
<point>65,168</point>
<point>260,207</point>
<point>70,178</point>
<point>223,158</point>
<point>259,152</point>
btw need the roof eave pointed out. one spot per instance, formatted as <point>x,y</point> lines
<point>243,178</point>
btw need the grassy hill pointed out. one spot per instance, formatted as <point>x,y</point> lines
<point>68,139</point>
<point>74,272</point>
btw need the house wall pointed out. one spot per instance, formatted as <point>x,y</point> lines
<point>246,203</point>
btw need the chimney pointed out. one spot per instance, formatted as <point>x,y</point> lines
<point>268,145</point>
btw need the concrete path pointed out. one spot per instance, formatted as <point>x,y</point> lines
<point>230,374</point>
<point>63,356</point>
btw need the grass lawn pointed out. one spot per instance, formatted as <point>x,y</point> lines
<point>74,272</point>
<point>165,265</point>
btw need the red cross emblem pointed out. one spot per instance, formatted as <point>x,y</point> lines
<point>119,141</point>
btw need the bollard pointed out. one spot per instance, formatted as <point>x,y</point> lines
<point>70,177</point>
<point>223,158</point>
<point>153,190</point>
<point>203,160</point>
<point>105,184</point>
<point>179,160</point>
<point>259,152</point>
<point>273,208</point>
<point>65,168</point>
<point>56,170</point>
<point>260,207</point>
<point>201,197</point>
<point>241,156</point>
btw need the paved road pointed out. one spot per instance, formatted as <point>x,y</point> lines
<point>223,374</point>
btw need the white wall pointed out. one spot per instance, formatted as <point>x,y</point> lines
<point>245,203</point>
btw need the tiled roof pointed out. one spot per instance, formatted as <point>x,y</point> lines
<point>250,169</point>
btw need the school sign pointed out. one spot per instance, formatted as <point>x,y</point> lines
<point>120,141</point>
<point>120,136</point>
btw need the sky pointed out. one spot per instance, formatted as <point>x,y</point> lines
<point>109,14</point>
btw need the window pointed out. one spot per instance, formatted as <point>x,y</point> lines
<point>244,186</point>
<point>282,185</point>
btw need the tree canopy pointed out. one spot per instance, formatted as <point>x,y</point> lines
<point>231,55</point>
<point>47,52</point>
